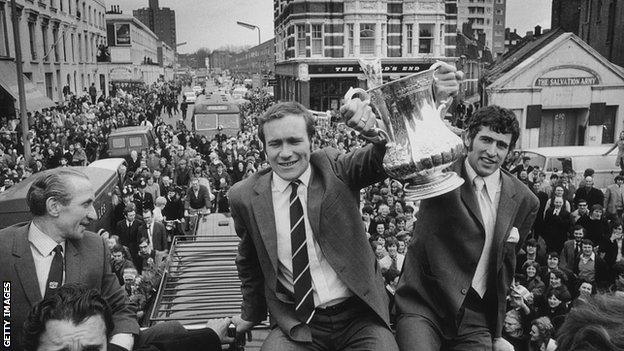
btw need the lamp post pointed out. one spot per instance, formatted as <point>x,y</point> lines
<point>250,26</point>
<point>20,82</point>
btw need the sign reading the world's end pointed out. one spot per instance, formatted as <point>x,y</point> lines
<point>565,81</point>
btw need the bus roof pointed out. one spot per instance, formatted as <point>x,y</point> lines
<point>566,151</point>
<point>128,130</point>
<point>14,199</point>
<point>108,163</point>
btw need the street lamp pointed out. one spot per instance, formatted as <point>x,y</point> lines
<point>250,26</point>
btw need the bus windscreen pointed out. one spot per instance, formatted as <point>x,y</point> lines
<point>206,121</point>
<point>229,120</point>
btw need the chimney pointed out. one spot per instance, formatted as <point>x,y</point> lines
<point>538,30</point>
<point>529,35</point>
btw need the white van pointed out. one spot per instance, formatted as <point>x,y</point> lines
<point>578,158</point>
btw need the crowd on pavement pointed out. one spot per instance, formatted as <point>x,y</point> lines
<point>574,252</point>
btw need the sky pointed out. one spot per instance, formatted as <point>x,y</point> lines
<point>212,23</point>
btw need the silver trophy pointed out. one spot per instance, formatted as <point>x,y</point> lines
<point>420,146</point>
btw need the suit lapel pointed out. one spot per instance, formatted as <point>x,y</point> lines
<point>73,266</point>
<point>315,200</point>
<point>25,265</point>
<point>262,205</point>
<point>507,209</point>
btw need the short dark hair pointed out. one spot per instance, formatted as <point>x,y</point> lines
<point>391,240</point>
<point>597,325</point>
<point>131,207</point>
<point>283,109</point>
<point>578,227</point>
<point>499,119</point>
<point>56,185</point>
<point>117,248</point>
<point>553,254</point>
<point>532,242</point>
<point>72,302</point>
<point>587,242</point>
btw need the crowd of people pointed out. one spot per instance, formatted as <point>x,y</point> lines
<point>574,250</point>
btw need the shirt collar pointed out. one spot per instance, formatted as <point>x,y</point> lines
<point>592,257</point>
<point>492,182</point>
<point>280,184</point>
<point>41,241</point>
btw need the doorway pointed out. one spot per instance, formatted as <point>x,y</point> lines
<point>49,89</point>
<point>559,127</point>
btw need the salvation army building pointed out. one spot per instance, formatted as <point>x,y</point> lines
<point>562,91</point>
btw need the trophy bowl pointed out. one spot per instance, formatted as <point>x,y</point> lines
<point>419,145</point>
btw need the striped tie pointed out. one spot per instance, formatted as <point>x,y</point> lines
<point>304,299</point>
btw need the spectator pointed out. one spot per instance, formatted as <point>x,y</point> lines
<point>119,262</point>
<point>581,211</point>
<point>614,199</point>
<point>588,192</point>
<point>572,249</point>
<point>596,228</point>
<point>557,225</point>
<point>542,334</point>
<point>591,267</point>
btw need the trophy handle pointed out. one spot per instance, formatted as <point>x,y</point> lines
<point>446,103</point>
<point>379,132</point>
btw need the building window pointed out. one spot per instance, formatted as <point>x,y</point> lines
<point>350,39</point>
<point>44,40</point>
<point>4,36</point>
<point>317,39</point>
<point>588,7</point>
<point>367,38</point>
<point>79,47</point>
<point>32,39</point>
<point>499,12</point>
<point>409,35</point>
<point>384,39</point>
<point>301,40</point>
<point>55,43</point>
<point>425,39</point>
<point>598,10</point>
<point>73,47</point>
<point>61,4</point>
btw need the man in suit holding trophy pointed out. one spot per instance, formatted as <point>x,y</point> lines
<point>460,264</point>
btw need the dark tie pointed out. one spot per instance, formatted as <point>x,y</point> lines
<point>55,278</point>
<point>304,299</point>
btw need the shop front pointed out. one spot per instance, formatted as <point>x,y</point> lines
<point>320,84</point>
<point>562,91</point>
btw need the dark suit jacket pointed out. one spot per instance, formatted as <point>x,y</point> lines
<point>335,218</point>
<point>86,261</point>
<point>593,196</point>
<point>568,257</point>
<point>556,228</point>
<point>130,237</point>
<point>159,235</point>
<point>447,243</point>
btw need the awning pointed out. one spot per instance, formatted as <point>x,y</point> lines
<point>35,99</point>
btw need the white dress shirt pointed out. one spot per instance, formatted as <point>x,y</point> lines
<point>328,289</point>
<point>488,212</point>
<point>42,247</point>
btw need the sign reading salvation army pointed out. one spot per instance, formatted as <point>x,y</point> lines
<point>565,81</point>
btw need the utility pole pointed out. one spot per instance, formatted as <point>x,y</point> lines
<point>20,82</point>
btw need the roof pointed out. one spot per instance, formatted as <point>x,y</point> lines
<point>108,163</point>
<point>14,199</point>
<point>129,130</point>
<point>520,53</point>
<point>561,151</point>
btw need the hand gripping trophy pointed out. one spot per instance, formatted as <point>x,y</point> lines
<point>419,144</point>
